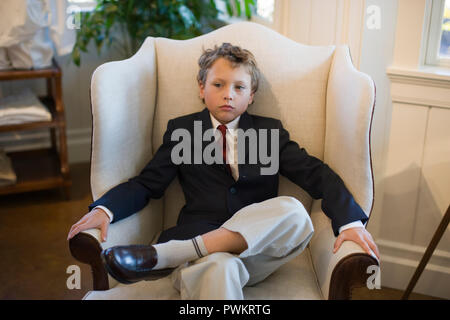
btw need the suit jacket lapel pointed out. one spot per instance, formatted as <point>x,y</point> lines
<point>246,169</point>
<point>205,119</point>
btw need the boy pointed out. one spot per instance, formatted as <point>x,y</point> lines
<point>234,227</point>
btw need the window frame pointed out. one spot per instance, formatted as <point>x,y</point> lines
<point>433,32</point>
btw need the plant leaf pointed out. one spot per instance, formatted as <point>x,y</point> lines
<point>126,23</point>
<point>238,7</point>
<point>248,8</point>
<point>229,7</point>
<point>76,56</point>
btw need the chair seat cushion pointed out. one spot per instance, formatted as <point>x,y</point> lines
<point>295,280</point>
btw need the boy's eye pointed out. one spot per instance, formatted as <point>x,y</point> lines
<point>238,87</point>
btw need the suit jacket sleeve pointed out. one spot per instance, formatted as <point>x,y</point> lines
<point>131,196</point>
<point>320,181</point>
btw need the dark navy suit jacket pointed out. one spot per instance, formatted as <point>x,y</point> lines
<point>213,196</point>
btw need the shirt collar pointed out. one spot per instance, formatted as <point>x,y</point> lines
<point>230,125</point>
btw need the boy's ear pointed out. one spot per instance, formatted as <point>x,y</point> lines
<point>201,86</point>
<point>252,95</point>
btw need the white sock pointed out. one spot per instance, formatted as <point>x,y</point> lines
<point>173,253</point>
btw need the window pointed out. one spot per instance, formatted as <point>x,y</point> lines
<point>265,8</point>
<point>263,11</point>
<point>438,46</point>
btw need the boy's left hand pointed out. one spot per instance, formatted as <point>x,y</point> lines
<point>359,235</point>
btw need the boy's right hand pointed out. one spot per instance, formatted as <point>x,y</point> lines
<point>96,218</point>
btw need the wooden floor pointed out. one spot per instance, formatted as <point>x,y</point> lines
<point>34,253</point>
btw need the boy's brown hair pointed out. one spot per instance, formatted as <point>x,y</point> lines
<point>236,55</point>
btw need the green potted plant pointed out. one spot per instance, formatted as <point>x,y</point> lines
<point>126,23</point>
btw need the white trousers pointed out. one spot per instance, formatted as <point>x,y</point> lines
<point>276,231</point>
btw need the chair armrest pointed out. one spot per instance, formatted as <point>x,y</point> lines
<point>85,248</point>
<point>139,228</point>
<point>337,273</point>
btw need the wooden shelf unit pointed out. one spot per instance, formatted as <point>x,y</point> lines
<point>43,168</point>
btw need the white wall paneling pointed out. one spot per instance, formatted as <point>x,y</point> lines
<point>434,189</point>
<point>322,22</point>
<point>402,175</point>
<point>409,35</point>
<point>417,181</point>
<point>400,260</point>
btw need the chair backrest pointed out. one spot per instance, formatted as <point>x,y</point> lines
<point>292,88</point>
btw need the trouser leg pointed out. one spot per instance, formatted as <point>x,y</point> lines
<point>276,231</point>
<point>220,275</point>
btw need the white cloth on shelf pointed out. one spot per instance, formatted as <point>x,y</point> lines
<point>7,174</point>
<point>5,63</point>
<point>24,34</point>
<point>20,19</point>
<point>22,108</point>
<point>35,53</point>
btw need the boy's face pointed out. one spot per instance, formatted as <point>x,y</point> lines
<point>227,91</point>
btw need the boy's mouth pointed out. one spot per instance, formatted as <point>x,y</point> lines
<point>226,107</point>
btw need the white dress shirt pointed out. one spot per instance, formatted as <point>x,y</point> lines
<point>232,158</point>
<point>231,137</point>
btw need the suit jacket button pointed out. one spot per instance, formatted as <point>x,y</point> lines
<point>233,190</point>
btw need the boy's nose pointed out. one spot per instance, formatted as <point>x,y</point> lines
<point>228,95</point>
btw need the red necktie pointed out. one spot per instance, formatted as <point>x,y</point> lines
<point>223,130</point>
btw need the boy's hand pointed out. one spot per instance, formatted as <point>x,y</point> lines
<point>359,235</point>
<point>97,218</point>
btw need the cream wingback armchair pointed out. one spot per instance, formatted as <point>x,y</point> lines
<point>322,100</point>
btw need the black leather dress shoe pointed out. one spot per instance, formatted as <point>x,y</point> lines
<point>129,264</point>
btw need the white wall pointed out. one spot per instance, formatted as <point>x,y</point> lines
<point>376,56</point>
<point>322,22</point>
